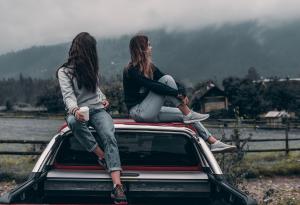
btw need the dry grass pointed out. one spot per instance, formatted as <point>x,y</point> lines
<point>16,167</point>
<point>271,164</point>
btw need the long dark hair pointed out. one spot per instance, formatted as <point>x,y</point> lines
<point>83,61</point>
<point>139,56</point>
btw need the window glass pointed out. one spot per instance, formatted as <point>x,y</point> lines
<point>137,149</point>
<point>156,149</point>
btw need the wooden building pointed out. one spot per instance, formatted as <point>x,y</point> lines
<point>209,98</point>
<point>275,118</point>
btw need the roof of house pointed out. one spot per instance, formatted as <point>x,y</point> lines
<point>276,114</point>
<point>205,88</point>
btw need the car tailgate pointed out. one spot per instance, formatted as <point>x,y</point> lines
<point>137,183</point>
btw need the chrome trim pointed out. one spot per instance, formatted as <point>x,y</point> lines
<point>141,175</point>
<point>143,127</point>
<point>209,157</point>
<point>41,161</point>
<point>149,127</point>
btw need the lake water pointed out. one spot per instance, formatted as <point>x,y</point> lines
<point>45,129</point>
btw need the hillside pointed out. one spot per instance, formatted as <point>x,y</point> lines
<point>209,53</point>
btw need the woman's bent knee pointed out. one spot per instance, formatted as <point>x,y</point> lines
<point>72,122</point>
<point>146,117</point>
<point>168,80</point>
<point>165,78</point>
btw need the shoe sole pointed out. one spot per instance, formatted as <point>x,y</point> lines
<point>224,149</point>
<point>196,120</point>
<point>121,203</point>
<point>118,203</point>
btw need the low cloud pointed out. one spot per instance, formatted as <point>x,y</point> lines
<point>24,23</point>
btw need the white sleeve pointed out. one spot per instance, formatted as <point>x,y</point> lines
<point>67,90</point>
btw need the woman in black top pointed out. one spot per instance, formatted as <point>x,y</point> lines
<point>146,89</point>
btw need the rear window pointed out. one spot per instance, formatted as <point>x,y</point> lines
<point>137,149</point>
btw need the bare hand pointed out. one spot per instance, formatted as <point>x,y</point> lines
<point>79,116</point>
<point>105,103</point>
<point>185,100</point>
<point>180,96</point>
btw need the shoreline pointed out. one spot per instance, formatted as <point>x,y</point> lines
<point>31,115</point>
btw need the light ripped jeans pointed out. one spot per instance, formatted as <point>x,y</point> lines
<point>151,109</point>
<point>104,126</point>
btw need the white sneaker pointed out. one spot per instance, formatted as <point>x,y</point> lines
<point>194,117</point>
<point>219,146</point>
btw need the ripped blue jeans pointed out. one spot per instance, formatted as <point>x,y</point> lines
<point>151,109</point>
<point>104,126</point>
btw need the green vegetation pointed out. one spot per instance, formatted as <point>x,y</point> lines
<point>259,165</point>
<point>250,98</point>
<point>271,164</point>
<point>16,167</point>
<point>253,99</point>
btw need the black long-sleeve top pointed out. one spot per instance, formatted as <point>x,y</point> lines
<point>137,86</point>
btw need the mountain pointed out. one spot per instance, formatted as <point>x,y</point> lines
<point>210,53</point>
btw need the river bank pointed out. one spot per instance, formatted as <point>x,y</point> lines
<point>32,115</point>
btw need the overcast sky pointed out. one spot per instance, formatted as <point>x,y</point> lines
<point>24,23</point>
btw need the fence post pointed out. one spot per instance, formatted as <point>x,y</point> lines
<point>287,127</point>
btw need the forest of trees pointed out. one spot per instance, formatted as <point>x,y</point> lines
<point>46,92</point>
<point>254,98</point>
<point>251,95</point>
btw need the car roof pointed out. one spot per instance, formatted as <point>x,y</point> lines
<point>132,122</point>
<point>121,123</point>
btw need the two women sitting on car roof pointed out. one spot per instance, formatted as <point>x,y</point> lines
<point>146,89</point>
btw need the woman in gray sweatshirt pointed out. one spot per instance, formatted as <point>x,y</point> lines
<point>79,83</point>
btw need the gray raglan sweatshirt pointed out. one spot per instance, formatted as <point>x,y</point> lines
<point>74,97</point>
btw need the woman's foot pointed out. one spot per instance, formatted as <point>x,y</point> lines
<point>118,195</point>
<point>194,117</point>
<point>219,146</point>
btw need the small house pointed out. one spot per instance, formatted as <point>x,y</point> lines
<point>209,97</point>
<point>275,118</point>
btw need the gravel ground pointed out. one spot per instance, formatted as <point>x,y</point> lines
<point>7,186</point>
<point>275,190</point>
<point>267,191</point>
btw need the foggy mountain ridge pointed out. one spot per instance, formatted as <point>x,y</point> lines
<point>193,56</point>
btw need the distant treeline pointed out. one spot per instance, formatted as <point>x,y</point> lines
<point>254,98</point>
<point>249,94</point>
<point>46,92</point>
<point>22,90</point>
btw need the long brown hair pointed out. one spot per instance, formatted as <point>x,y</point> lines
<point>83,60</point>
<point>139,56</point>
